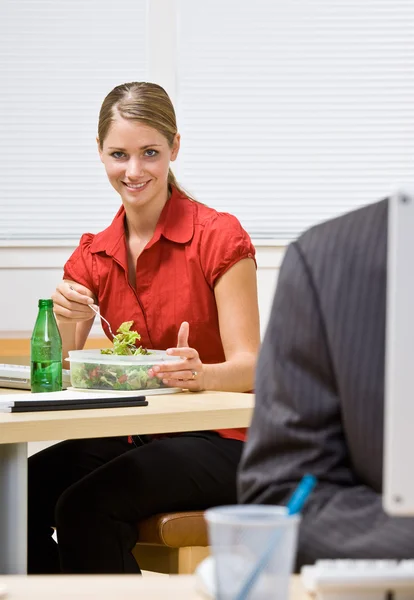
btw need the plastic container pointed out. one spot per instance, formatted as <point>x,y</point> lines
<point>89,369</point>
<point>238,537</point>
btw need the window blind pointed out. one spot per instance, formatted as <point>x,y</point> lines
<point>58,60</point>
<point>294,111</point>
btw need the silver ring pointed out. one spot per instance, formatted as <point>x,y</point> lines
<point>194,374</point>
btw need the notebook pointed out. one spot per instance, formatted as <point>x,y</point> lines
<point>66,400</point>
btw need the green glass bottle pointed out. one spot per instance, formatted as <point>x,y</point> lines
<point>46,351</point>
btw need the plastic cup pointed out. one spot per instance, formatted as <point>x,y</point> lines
<point>239,537</point>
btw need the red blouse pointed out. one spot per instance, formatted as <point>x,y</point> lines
<point>192,247</point>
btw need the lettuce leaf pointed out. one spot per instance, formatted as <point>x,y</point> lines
<point>125,342</point>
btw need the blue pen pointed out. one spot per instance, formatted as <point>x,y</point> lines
<point>294,506</point>
<point>301,494</point>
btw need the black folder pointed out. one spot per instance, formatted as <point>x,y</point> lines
<point>34,405</point>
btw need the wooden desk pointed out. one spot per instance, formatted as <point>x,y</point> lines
<point>108,587</point>
<point>165,413</point>
<point>15,360</point>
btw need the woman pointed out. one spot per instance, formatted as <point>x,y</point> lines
<point>185,274</point>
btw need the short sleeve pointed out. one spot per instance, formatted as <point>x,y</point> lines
<point>224,242</point>
<point>81,266</point>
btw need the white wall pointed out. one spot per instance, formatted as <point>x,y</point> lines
<point>29,272</point>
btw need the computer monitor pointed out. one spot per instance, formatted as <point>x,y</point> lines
<point>398,488</point>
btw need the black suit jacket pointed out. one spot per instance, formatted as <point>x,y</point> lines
<point>320,392</point>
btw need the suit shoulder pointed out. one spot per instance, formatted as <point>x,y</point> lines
<point>354,230</point>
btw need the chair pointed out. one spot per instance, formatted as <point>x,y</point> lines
<point>173,543</point>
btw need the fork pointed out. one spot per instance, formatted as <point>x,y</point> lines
<point>103,319</point>
<point>99,315</point>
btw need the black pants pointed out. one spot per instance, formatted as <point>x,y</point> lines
<point>96,490</point>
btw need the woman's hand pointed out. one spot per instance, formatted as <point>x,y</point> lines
<point>71,302</point>
<point>189,372</point>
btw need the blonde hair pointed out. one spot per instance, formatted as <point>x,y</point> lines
<point>146,102</point>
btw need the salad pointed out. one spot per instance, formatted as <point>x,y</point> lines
<point>107,376</point>
<point>124,342</point>
<point>123,367</point>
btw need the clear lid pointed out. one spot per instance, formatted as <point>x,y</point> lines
<point>95,356</point>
